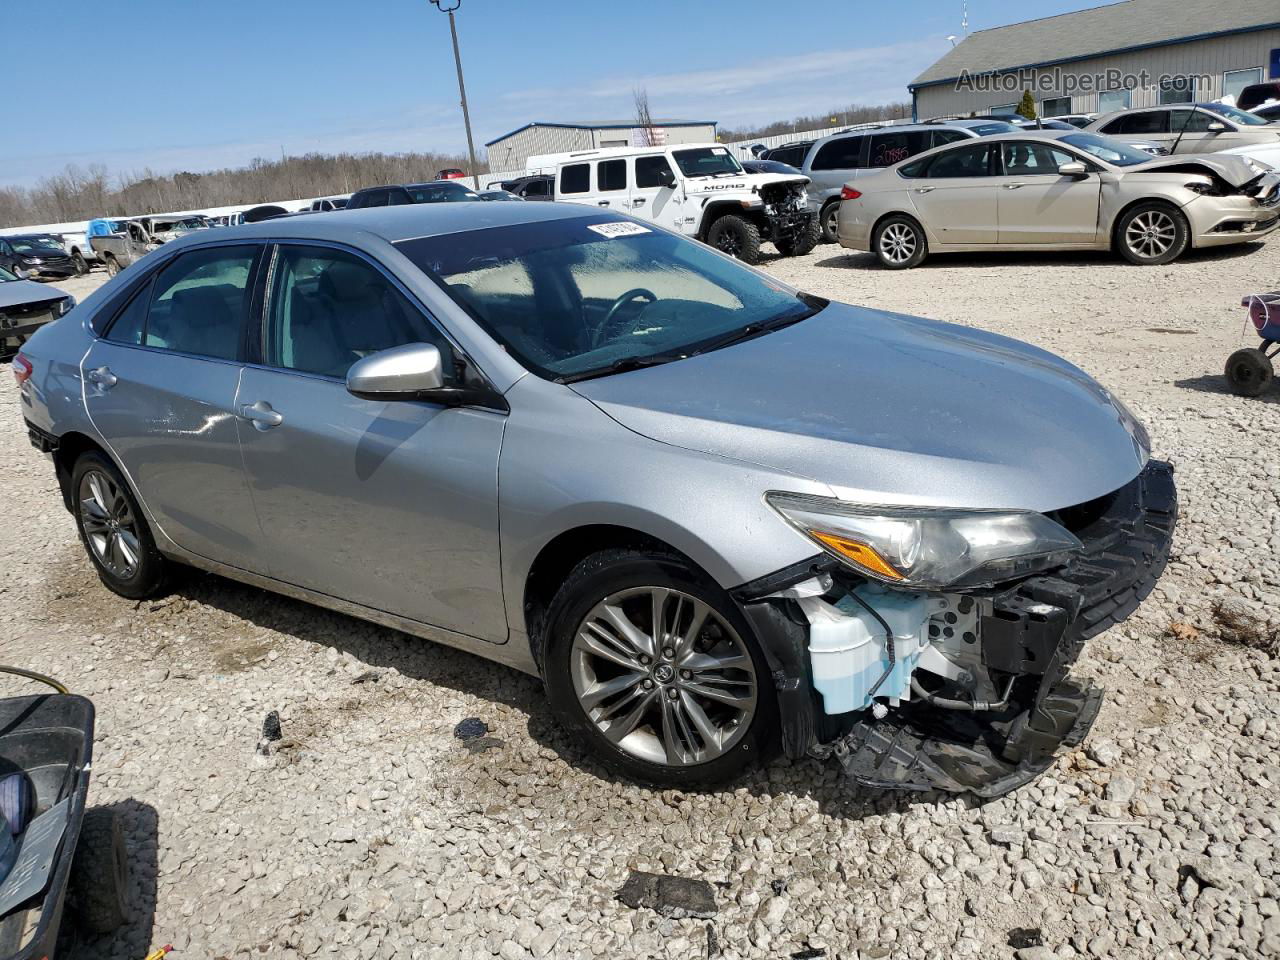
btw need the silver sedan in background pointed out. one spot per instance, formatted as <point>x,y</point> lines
<point>718,516</point>
<point>1057,190</point>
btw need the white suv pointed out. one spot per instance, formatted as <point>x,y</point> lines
<point>699,190</point>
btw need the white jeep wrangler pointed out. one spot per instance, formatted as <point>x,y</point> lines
<point>699,190</point>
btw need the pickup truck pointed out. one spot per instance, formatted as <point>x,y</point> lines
<point>129,243</point>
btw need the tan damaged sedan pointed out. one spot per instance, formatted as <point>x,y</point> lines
<point>1057,190</point>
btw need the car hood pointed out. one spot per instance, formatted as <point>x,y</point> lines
<point>884,409</point>
<point>742,183</point>
<point>15,293</point>
<point>1234,169</point>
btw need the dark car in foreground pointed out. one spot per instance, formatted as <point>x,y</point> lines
<point>36,255</point>
<point>25,307</point>
<point>438,191</point>
<point>718,516</point>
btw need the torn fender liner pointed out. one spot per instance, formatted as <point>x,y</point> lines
<point>1034,631</point>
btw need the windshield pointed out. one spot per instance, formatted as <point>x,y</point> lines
<point>1242,117</point>
<point>1106,149</point>
<point>36,245</point>
<point>988,129</point>
<point>706,161</point>
<point>593,295</point>
<point>441,193</point>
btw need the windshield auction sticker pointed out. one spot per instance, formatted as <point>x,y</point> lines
<point>611,231</point>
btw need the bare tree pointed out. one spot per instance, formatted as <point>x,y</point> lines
<point>644,119</point>
<point>834,119</point>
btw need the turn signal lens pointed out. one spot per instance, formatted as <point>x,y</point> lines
<point>858,553</point>
<point>848,193</point>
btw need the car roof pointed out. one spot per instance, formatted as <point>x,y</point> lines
<point>394,224</point>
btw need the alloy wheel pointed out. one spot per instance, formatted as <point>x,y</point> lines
<point>663,676</point>
<point>898,243</point>
<point>729,243</point>
<point>833,220</point>
<point>1151,233</point>
<point>109,525</point>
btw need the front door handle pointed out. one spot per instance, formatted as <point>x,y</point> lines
<point>261,415</point>
<point>925,189</point>
<point>103,377</point>
<point>602,203</point>
<point>1014,186</point>
<point>639,202</point>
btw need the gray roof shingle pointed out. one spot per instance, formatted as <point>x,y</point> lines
<point>1100,30</point>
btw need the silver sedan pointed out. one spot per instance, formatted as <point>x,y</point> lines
<point>1057,190</point>
<point>718,516</point>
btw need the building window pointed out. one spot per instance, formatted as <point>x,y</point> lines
<point>1177,90</point>
<point>1233,81</point>
<point>1113,100</point>
<point>1055,106</point>
<point>1004,108</point>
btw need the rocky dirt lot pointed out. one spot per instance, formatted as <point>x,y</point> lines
<point>370,831</point>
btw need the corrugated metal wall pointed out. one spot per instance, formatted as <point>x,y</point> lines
<point>511,152</point>
<point>1214,57</point>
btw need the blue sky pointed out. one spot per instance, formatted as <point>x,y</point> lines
<point>199,84</point>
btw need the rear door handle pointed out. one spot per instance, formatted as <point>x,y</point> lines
<point>602,203</point>
<point>103,377</point>
<point>1014,186</point>
<point>261,415</point>
<point>925,189</point>
<point>637,203</point>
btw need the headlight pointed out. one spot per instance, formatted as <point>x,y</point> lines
<point>65,306</point>
<point>33,260</point>
<point>921,547</point>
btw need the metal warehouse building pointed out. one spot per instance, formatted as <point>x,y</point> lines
<point>510,150</point>
<point>1131,54</point>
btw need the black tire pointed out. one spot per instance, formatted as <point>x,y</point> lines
<point>618,570</point>
<point>80,263</point>
<point>1164,242</point>
<point>113,266</point>
<point>801,242</point>
<point>99,887</point>
<point>148,575</point>
<point>829,222</point>
<point>899,243</point>
<point>1249,372</point>
<point>737,237</point>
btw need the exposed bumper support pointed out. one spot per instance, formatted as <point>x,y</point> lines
<point>1032,632</point>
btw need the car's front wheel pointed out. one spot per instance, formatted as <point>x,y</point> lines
<point>1152,233</point>
<point>899,243</point>
<point>737,237</point>
<point>80,263</point>
<point>113,530</point>
<point>656,671</point>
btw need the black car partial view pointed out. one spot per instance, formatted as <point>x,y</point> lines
<point>438,191</point>
<point>1257,94</point>
<point>769,166</point>
<point>32,255</point>
<point>25,307</point>
<point>538,186</point>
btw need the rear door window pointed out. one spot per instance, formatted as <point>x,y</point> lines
<point>970,161</point>
<point>1145,121</point>
<point>575,178</point>
<point>611,175</point>
<point>843,153</point>
<point>199,302</point>
<point>890,148</point>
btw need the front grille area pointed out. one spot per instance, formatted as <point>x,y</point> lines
<point>23,314</point>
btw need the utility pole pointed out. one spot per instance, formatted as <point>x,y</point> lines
<point>462,89</point>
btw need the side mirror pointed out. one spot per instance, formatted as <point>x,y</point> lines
<point>400,373</point>
<point>1075,169</point>
<point>1216,126</point>
<point>668,179</point>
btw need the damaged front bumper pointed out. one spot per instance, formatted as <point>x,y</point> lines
<point>1028,635</point>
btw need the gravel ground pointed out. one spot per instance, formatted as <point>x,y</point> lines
<point>371,831</point>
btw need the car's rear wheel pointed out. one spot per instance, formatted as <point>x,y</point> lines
<point>656,671</point>
<point>113,267</point>
<point>1249,372</point>
<point>830,219</point>
<point>113,530</point>
<point>737,237</point>
<point>899,243</point>
<point>80,263</point>
<point>1151,234</point>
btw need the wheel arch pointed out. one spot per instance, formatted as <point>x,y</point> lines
<point>71,447</point>
<point>718,208</point>
<point>566,550</point>
<point>1114,226</point>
